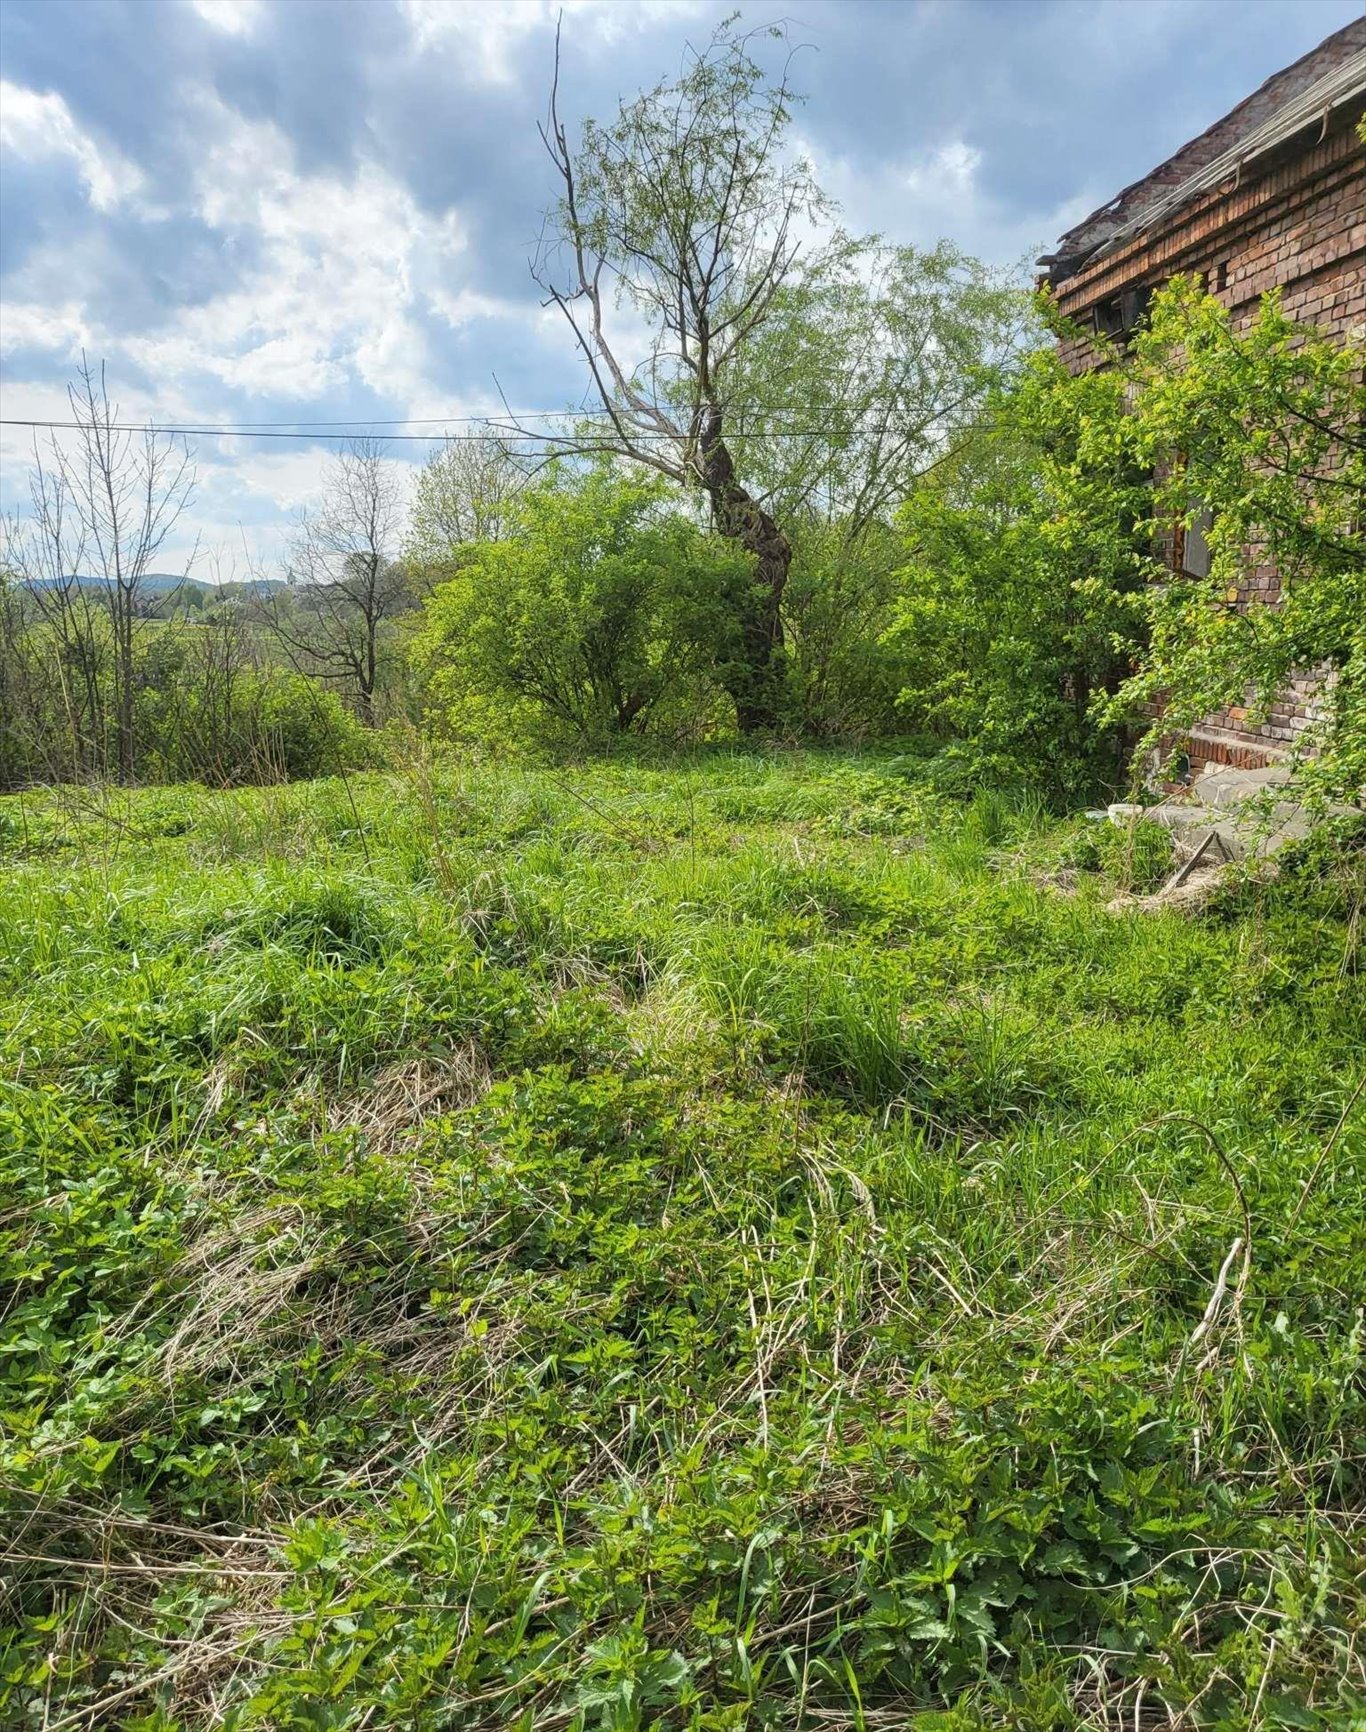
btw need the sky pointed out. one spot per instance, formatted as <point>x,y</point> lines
<point>304,211</point>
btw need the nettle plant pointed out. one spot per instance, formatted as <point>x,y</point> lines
<point>1260,434</point>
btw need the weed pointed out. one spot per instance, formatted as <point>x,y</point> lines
<point>712,1245</point>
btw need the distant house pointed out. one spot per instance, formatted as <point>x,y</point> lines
<point>1271,196</point>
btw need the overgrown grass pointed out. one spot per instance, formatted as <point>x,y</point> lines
<point>738,1245</point>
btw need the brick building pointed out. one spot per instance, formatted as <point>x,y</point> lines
<point>1271,196</point>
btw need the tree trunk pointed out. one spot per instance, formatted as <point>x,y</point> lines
<point>756,683</point>
<point>123,637</point>
<point>368,675</point>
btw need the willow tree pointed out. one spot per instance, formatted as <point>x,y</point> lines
<point>687,208</point>
<point>765,358</point>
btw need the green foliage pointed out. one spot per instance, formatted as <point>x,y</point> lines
<point>207,706</point>
<point>865,368</point>
<point>844,675</point>
<point>652,181</point>
<point>1262,428</point>
<point>1137,855</point>
<point>601,613</point>
<point>783,368</point>
<point>462,497</point>
<point>1020,598</point>
<point>1041,626</point>
<point>718,1245</point>
<point>267,724</point>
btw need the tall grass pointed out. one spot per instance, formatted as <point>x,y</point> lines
<point>735,1245</point>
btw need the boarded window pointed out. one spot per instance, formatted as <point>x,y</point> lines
<point>1195,545</point>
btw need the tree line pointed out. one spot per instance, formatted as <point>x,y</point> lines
<point>827,486</point>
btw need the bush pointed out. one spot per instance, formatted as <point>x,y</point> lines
<point>271,725</point>
<point>303,729</point>
<point>602,614</point>
<point>1138,856</point>
<point>844,672</point>
<point>207,706</point>
<point>1258,432</point>
<point>1020,589</point>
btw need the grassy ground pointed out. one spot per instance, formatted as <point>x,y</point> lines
<point>732,1246</point>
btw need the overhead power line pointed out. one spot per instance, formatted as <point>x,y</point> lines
<point>366,421</point>
<point>232,432</point>
<point>489,429</point>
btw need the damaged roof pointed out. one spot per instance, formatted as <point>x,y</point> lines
<point>1290,101</point>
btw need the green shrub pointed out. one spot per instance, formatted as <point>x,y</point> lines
<point>600,615</point>
<point>1207,399</point>
<point>1137,855</point>
<point>302,728</point>
<point>271,725</point>
<point>208,706</point>
<point>844,671</point>
<point>1019,596</point>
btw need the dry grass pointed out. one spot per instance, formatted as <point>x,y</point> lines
<point>390,1113</point>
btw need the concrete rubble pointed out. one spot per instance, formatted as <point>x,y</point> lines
<point>1240,807</point>
<point>1226,815</point>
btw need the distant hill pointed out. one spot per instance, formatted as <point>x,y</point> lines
<point>151,583</point>
<point>166,582</point>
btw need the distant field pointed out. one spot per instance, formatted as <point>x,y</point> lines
<point>736,1245</point>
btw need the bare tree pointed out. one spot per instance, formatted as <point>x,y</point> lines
<point>129,491</point>
<point>59,643</point>
<point>686,209</point>
<point>102,506</point>
<point>345,584</point>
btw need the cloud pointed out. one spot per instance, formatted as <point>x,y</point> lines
<point>235,17</point>
<point>328,277</point>
<point>336,278</point>
<point>262,210</point>
<point>947,173</point>
<point>940,192</point>
<point>37,125</point>
<point>58,328</point>
<point>488,36</point>
<point>492,34</point>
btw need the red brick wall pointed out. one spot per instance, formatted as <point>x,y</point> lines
<point>1296,222</point>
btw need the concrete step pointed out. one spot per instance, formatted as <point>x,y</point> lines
<point>1237,805</point>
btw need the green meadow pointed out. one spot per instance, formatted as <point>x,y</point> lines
<point>736,1242</point>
